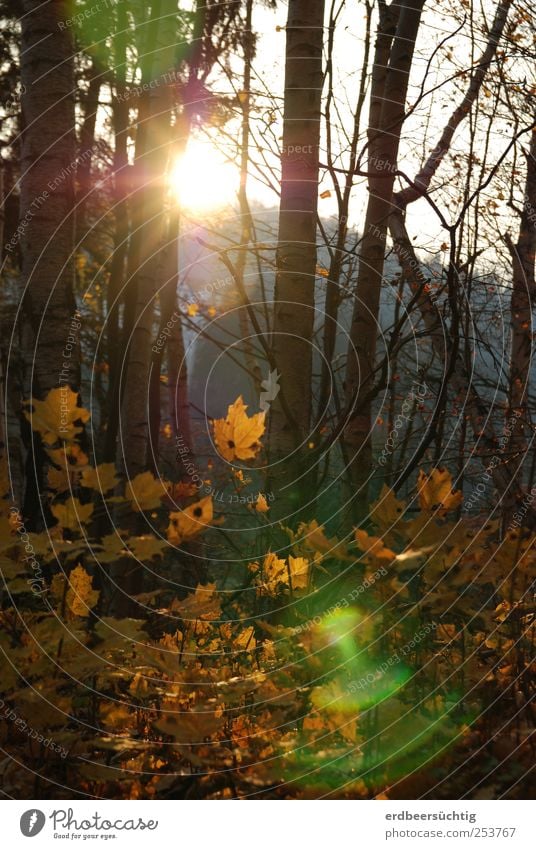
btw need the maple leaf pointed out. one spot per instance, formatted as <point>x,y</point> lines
<point>387,510</point>
<point>186,524</point>
<point>435,491</point>
<point>81,596</point>
<point>204,603</point>
<point>113,547</point>
<point>54,417</point>
<point>274,569</point>
<point>144,492</point>
<point>102,478</point>
<point>71,514</point>
<point>261,505</point>
<point>299,572</point>
<point>245,639</point>
<point>146,547</point>
<point>237,436</point>
<point>373,546</point>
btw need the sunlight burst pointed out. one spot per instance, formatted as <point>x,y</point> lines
<point>202,179</point>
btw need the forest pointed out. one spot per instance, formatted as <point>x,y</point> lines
<point>268,399</point>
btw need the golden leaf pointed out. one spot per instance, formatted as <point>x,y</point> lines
<point>81,596</point>
<point>70,455</point>
<point>274,569</point>
<point>186,524</point>
<point>387,510</point>
<point>144,492</point>
<point>245,639</point>
<point>102,478</point>
<point>373,546</point>
<point>203,604</point>
<point>435,491</point>
<point>299,572</point>
<point>261,505</point>
<point>113,548</point>
<point>71,514</point>
<point>237,436</point>
<point>54,417</point>
<point>146,547</point>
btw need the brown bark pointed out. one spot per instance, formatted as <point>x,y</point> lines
<point>392,65</point>
<point>290,413</point>
<point>150,169</point>
<point>523,297</point>
<point>48,165</point>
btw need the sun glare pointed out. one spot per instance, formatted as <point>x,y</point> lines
<point>202,179</point>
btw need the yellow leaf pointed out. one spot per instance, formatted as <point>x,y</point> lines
<point>373,546</point>
<point>387,510</point>
<point>193,309</point>
<point>435,491</point>
<point>274,569</point>
<point>326,194</point>
<point>71,514</point>
<point>186,524</point>
<point>261,505</point>
<point>54,417</point>
<point>203,604</point>
<point>237,436</point>
<point>322,272</point>
<point>146,547</point>
<point>81,596</point>
<point>70,455</point>
<point>144,492</point>
<point>102,478</point>
<point>299,572</point>
<point>245,639</point>
<point>113,548</point>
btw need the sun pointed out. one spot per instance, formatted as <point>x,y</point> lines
<point>202,179</point>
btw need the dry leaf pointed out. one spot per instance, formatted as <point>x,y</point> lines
<point>186,524</point>
<point>237,436</point>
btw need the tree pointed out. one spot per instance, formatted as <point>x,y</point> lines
<point>48,165</point>
<point>290,414</point>
<point>398,27</point>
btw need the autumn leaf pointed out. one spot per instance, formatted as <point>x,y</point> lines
<point>373,546</point>
<point>102,478</point>
<point>81,596</point>
<point>146,547</point>
<point>261,505</point>
<point>113,547</point>
<point>387,510</point>
<point>54,417</point>
<point>71,514</point>
<point>245,639</point>
<point>299,572</point>
<point>144,492</point>
<point>435,491</point>
<point>274,569</point>
<point>204,603</point>
<point>186,524</point>
<point>237,436</point>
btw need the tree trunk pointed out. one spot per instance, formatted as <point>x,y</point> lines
<point>146,243</point>
<point>48,164</point>
<point>522,344</point>
<point>290,414</point>
<point>392,66</point>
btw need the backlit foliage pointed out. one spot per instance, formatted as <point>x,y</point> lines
<point>367,666</point>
